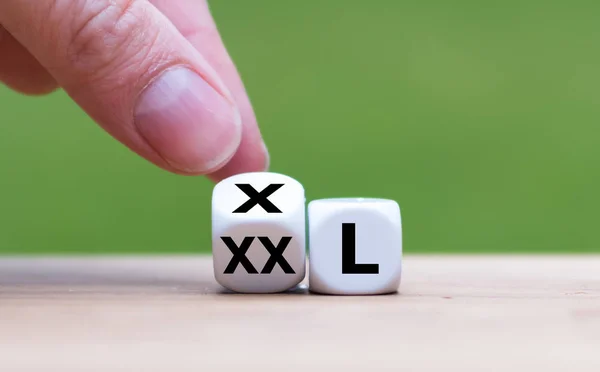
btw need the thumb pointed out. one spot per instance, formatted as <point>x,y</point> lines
<point>130,69</point>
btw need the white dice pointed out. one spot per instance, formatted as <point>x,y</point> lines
<point>259,243</point>
<point>258,232</point>
<point>355,246</point>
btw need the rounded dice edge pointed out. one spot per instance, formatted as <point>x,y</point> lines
<point>241,176</point>
<point>330,204</point>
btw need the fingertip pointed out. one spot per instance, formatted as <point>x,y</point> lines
<point>250,157</point>
<point>20,71</point>
<point>31,88</point>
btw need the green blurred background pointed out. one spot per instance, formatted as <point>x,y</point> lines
<point>479,118</point>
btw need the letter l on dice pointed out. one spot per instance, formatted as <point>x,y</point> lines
<point>355,246</point>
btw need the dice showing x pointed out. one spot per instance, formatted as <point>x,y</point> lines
<point>258,198</point>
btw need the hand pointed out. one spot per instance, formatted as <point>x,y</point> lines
<point>153,73</point>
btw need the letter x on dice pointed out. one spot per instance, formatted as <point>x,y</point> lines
<point>259,239</point>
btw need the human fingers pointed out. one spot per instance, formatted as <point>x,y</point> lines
<point>133,72</point>
<point>195,22</point>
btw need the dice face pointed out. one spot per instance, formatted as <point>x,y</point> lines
<point>355,246</point>
<point>258,232</point>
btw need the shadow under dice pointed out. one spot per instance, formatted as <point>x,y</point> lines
<point>355,246</point>
<point>258,232</point>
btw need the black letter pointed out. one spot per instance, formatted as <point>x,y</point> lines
<point>276,255</point>
<point>258,198</point>
<point>349,265</point>
<point>239,255</point>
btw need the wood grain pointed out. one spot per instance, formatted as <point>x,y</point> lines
<point>463,313</point>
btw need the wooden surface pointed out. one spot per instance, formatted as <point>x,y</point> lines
<point>463,313</point>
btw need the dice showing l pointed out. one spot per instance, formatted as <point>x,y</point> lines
<point>355,246</point>
<point>258,232</point>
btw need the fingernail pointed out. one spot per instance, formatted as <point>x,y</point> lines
<point>267,157</point>
<point>185,120</point>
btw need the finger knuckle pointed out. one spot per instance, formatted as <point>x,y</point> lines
<point>108,37</point>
